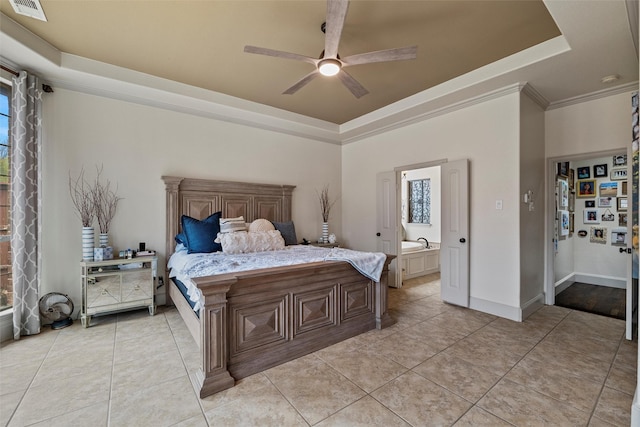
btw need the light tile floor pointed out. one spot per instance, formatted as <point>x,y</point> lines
<point>438,365</point>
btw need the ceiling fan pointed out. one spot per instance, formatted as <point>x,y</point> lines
<point>330,63</point>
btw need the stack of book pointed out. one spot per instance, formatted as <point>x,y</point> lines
<point>145,253</point>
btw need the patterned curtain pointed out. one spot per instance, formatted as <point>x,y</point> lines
<point>25,127</point>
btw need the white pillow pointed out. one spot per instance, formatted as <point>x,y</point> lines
<point>243,242</point>
<point>230,225</point>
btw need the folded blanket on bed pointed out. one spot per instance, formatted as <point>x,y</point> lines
<point>369,264</point>
<point>185,266</point>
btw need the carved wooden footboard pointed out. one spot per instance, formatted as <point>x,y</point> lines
<point>258,319</point>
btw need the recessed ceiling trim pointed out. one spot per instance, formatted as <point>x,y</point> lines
<point>435,111</point>
<point>19,35</point>
<point>629,87</point>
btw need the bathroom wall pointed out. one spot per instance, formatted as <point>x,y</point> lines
<point>431,232</point>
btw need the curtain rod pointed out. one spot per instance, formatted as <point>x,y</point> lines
<point>9,70</point>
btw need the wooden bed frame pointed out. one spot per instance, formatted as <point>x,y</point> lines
<point>254,320</point>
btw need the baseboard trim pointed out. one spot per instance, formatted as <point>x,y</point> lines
<point>590,279</point>
<point>497,309</point>
<point>593,279</point>
<point>564,283</point>
<point>533,305</point>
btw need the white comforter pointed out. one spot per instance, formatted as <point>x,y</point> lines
<point>184,266</point>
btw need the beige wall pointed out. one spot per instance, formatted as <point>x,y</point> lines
<point>487,134</point>
<point>136,145</point>
<point>531,178</point>
<point>589,127</point>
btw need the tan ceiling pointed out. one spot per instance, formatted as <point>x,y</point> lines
<point>201,43</point>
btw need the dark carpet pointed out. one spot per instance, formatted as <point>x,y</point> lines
<point>603,300</point>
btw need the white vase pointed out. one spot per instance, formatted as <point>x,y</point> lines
<point>88,241</point>
<point>325,232</point>
<point>104,240</point>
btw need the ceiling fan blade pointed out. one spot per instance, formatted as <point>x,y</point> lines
<point>279,54</point>
<point>397,54</point>
<point>352,84</point>
<point>302,82</point>
<point>336,14</point>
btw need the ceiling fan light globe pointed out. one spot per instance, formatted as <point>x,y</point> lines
<point>329,67</point>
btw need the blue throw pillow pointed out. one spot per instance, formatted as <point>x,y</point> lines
<point>181,238</point>
<point>200,235</point>
<point>288,232</point>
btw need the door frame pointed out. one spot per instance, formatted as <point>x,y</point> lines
<point>549,286</point>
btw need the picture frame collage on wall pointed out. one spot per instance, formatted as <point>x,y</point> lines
<point>565,200</point>
<point>603,185</point>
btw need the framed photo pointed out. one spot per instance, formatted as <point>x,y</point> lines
<point>591,216</point>
<point>600,171</point>
<point>618,174</point>
<point>563,169</point>
<point>564,223</point>
<point>624,188</point>
<point>618,237</point>
<point>608,189</point>
<point>608,216</point>
<point>620,160</point>
<point>586,188</point>
<point>589,203</point>
<point>584,172</point>
<point>598,235</point>
<point>622,220</point>
<point>605,202</point>
<point>622,204</point>
<point>563,194</point>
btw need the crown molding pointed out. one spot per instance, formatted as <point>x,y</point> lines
<point>629,87</point>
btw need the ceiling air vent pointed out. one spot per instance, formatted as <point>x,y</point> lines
<point>31,8</point>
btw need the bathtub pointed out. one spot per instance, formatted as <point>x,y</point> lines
<point>419,261</point>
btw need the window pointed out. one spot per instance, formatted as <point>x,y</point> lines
<point>420,201</point>
<point>6,282</point>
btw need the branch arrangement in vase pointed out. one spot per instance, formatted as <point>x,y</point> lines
<point>105,202</point>
<point>82,197</point>
<point>98,201</point>
<point>325,203</point>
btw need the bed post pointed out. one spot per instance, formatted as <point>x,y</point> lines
<point>214,376</point>
<point>383,319</point>
<point>172,185</point>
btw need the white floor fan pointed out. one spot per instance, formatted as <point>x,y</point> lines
<point>330,63</point>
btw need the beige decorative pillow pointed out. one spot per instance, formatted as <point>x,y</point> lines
<point>230,225</point>
<point>261,225</point>
<point>243,242</point>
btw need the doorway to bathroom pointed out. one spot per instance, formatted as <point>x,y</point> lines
<point>454,229</point>
<point>420,222</point>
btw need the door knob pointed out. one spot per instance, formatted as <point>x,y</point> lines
<point>378,234</point>
<point>462,240</point>
<point>622,250</point>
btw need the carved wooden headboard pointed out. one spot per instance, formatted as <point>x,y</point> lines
<point>199,198</point>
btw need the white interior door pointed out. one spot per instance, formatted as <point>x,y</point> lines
<point>454,248</point>
<point>387,221</point>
